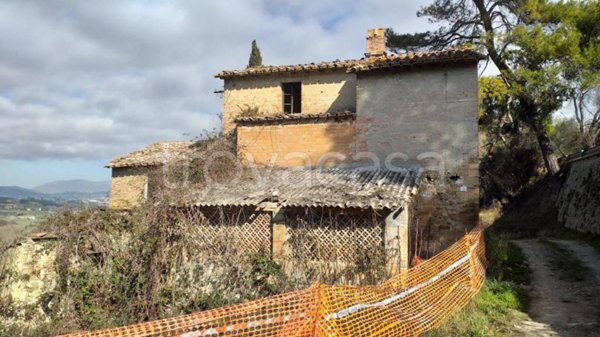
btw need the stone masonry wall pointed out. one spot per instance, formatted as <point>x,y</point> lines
<point>301,143</point>
<point>579,199</point>
<point>128,187</point>
<point>428,116</point>
<point>28,278</point>
<point>322,92</point>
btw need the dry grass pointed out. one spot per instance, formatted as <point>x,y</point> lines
<point>12,231</point>
<point>489,215</point>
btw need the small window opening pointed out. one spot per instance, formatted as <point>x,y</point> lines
<point>292,97</point>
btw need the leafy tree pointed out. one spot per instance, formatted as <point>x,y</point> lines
<point>255,56</point>
<point>583,68</point>
<point>494,119</point>
<point>565,136</point>
<point>530,42</point>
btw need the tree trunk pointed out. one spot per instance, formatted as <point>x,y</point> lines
<point>550,160</point>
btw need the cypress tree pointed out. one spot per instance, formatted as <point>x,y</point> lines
<point>255,57</point>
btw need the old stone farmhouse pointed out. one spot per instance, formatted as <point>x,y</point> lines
<point>379,152</point>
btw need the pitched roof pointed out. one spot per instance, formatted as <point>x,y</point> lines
<point>154,154</point>
<point>336,187</point>
<point>452,55</point>
<point>413,59</point>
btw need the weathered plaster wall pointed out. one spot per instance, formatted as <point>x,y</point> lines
<point>128,187</point>
<point>329,91</point>
<point>428,116</point>
<point>579,199</point>
<point>298,143</point>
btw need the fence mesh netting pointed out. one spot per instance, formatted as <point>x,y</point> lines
<point>408,304</point>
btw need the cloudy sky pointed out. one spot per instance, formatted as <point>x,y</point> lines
<point>82,82</point>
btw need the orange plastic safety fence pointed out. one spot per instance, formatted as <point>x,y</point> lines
<point>410,303</point>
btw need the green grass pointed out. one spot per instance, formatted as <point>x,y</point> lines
<point>493,311</point>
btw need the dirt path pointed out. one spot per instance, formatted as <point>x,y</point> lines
<point>560,306</point>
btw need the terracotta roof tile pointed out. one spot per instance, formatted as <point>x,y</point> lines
<point>264,70</point>
<point>413,59</point>
<point>154,154</point>
<point>364,64</point>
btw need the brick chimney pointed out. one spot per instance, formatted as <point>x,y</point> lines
<point>375,42</point>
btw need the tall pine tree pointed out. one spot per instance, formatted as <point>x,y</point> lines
<point>255,57</point>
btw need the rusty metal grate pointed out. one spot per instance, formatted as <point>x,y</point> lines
<point>331,236</point>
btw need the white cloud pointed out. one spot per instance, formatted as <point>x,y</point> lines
<point>92,80</point>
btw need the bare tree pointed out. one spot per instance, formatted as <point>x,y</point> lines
<point>586,104</point>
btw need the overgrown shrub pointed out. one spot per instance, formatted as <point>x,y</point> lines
<point>121,267</point>
<point>117,268</point>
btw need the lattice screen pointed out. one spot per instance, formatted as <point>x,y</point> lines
<point>329,235</point>
<point>242,229</point>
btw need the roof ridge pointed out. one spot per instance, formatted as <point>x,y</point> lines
<point>350,65</point>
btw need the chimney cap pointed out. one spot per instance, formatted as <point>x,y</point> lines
<point>375,31</point>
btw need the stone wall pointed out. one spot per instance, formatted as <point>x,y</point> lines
<point>579,199</point>
<point>443,213</point>
<point>428,116</point>
<point>128,187</point>
<point>297,143</point>
<point>27,281</point>
<point>322,92</point>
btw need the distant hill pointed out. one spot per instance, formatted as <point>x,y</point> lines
<point>60,190</point>
<point>73,186</point>
<point>19,192</point>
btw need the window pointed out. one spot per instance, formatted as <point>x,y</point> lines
<point>292,97</point>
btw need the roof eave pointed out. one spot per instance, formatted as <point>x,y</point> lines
<point>294,118</point>
<point>117,166</point>
<point>228,74</point>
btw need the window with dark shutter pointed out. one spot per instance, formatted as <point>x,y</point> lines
<point>292,97</point>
